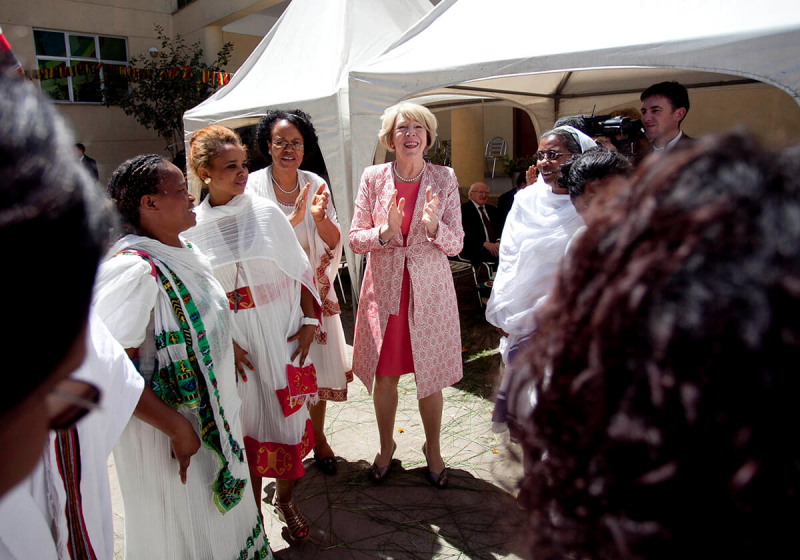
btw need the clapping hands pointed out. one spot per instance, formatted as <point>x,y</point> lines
<point>430,218</point>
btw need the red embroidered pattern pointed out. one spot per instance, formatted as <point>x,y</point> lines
<point>336,395</point>
<point>300,381</point>
<point>279,460</point>
<point>245,297</point>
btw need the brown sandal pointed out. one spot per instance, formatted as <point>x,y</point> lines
<point>295,521</point>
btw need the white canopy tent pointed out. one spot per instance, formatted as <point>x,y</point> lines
<point>303,63</point>
<point>555,62</point>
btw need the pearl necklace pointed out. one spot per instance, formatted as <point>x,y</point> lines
<point>403,179</point>
<point>296,185</point>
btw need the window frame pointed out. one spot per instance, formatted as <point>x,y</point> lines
<point>69,60</point>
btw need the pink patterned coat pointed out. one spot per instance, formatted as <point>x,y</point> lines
<point>433,311</point>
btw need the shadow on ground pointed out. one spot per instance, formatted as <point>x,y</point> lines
<point>405,516</point>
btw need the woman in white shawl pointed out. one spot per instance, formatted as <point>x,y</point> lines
<point>283,139</point>
<point>535,236</point>
<point>159,299</point>
<point>257,259</point>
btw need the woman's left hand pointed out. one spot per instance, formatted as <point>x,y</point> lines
<point>305,336</point>
<point>429,217</point>
<point>319,203</point>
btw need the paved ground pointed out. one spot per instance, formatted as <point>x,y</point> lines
<point>406,517</point>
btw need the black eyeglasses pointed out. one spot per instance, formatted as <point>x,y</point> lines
<point>551,155</point>
<point>281,145</point>
<point>69,401</point>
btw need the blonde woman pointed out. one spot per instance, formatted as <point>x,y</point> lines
<point>407,216</point>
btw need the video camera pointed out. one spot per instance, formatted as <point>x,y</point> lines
<point>623,132</point>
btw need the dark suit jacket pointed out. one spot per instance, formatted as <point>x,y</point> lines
<point>91,165</point>
<point>474,236</point>
<point>504,203</point>
<point>683,142</point>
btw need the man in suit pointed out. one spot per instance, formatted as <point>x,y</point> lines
<point>482,227</point>
<point>89,163</point>
<point>664,106</point>
<point>506,200</point>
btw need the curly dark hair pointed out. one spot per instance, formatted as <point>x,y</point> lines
<point>592,165</point>
<point>295,116</point>
<point>55,225</point>
<point>665,368</point>
<point>133,179</point>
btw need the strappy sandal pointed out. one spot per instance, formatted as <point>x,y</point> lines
<point>296,522</point>
<point>378,474</point>
<point>440,479</point>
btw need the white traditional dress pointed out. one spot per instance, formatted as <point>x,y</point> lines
<point>166,302</point>
<point>329,351</point>
<point>262,268</point>
<point>63,508</point>
<point>535,237</point>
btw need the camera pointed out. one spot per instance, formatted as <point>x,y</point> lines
<point>625,134</point>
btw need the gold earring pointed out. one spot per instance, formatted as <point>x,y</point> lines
<point>207,180</point>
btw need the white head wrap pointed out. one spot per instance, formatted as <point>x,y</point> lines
<point>585,141</point>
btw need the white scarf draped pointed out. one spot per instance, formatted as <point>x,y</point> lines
<point>254,235</point>
<point>535,235</point>
<point>324,260</point>
<point>207,321</point>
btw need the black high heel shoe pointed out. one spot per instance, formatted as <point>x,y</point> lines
<point>378,474</point>
<point>439,480</point>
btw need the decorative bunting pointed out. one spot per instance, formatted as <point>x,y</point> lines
<point>84,68</point>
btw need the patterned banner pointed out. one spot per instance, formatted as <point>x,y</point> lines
<point>185,73</point>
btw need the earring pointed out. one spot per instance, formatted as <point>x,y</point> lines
<point>207,180</point>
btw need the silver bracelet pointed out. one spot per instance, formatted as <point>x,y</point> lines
<point>310,321</point>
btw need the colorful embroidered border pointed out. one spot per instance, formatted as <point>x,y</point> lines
<point>279,460</point>
<point>336,395</point>
<point>182,383</point>
<point>185,376</point>
<point>262,551</point>
<point>68,458</point>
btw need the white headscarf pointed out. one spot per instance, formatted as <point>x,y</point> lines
<point>535,235</point>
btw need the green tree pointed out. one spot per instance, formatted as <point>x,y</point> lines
<point>165,87</point>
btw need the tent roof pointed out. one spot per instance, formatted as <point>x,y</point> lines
<point>473,40</point>
<point>306,56</point>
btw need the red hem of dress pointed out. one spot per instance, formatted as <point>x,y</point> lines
<point>335,395</point>
<point>279,460</point>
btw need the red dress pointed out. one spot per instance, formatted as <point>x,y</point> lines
<point>396,356</point>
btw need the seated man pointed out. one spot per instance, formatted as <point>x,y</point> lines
<point>506,200</point>
<point>482,227</point>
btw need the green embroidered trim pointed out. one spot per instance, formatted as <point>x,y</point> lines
<point>254,540</point>
<point>170,338</point>
<point>182,383</point>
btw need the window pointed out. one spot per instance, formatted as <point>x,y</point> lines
<point>88,54</point>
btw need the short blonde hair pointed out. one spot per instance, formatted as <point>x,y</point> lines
<point>205,145</point>
<point>409,111</point>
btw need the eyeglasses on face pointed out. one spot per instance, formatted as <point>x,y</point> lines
<point>281,145</point>
<point>69,401</point>
<point>551,155</point>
